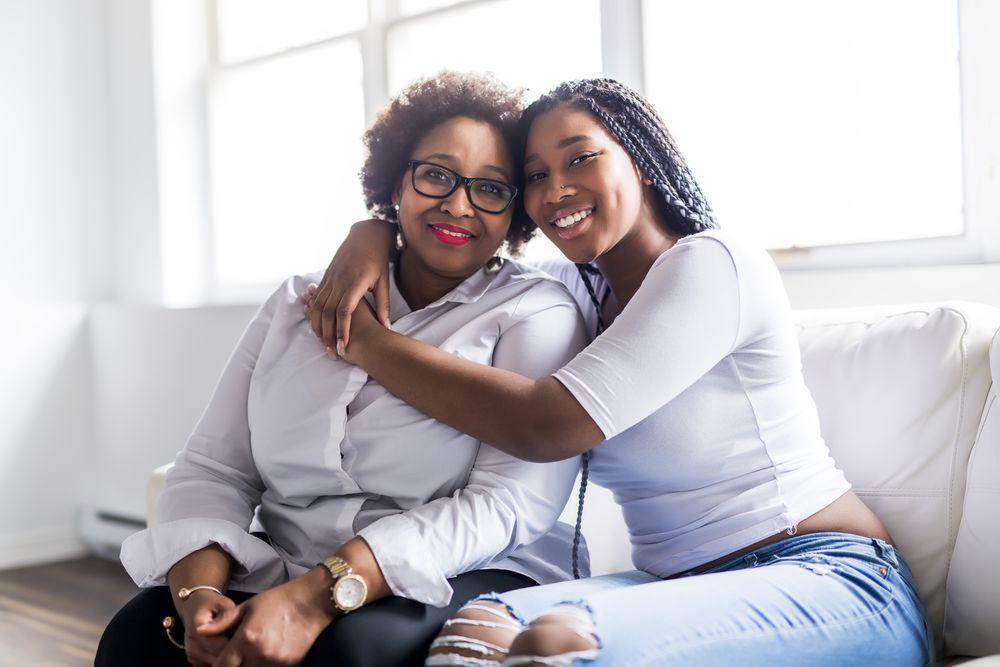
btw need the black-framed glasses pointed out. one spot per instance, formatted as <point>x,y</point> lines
<point>438,182</point>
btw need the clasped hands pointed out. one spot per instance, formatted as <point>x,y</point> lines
<point>339,326</point>
<point>276,627</point>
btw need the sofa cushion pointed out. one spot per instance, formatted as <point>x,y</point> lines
<point>972,611</point>
<point>900,392</point>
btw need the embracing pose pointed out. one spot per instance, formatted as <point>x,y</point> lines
<point>689,405</point>
<point>313,517</point>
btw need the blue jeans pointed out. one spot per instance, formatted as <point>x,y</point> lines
<point>816,599</point>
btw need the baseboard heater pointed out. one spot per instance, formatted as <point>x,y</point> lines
<point>103,532</point>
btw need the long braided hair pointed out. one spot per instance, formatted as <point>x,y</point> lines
<point>640,131</point>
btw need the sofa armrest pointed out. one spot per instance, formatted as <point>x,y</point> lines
<point>153,490</point>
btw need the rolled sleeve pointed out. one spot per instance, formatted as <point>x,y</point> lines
<point>411,569</point>
<point>149,554</point>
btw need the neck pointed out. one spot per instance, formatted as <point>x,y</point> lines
<point>625,266</point>
<point>419,285</point>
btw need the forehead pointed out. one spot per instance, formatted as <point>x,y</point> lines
<point>470,143</point>
<point>560,123</point>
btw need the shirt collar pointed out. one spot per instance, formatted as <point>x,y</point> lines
<point>469,290</point>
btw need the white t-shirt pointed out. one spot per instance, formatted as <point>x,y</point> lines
<point>713,440</point>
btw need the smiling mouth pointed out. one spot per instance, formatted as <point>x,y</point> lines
<point>452,232</point>
<point>573,219</point>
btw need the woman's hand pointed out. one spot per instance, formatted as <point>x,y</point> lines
<point>204,606</point>
<point>360,265</point>
<point>278,626</point>
<point>364,328</point>
<point>208,566</point>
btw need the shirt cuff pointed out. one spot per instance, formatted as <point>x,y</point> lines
<point>149,554</point>
<point>408,564</point>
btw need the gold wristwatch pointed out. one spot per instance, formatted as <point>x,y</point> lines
<point>348,590</point>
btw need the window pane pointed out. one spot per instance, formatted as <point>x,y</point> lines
<point>498,37</point>
<point>409,7</point>
<point>814,123</point>
<point>286,151</point>
<point>249,28</point>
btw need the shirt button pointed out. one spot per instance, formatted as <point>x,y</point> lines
<point>884,572</point>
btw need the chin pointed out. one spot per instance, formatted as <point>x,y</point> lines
<point>448,263</point>
<point>578,253</point>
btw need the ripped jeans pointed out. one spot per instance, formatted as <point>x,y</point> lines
<point>815,599</point>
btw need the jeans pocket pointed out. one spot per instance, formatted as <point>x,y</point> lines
<point>867,571</point>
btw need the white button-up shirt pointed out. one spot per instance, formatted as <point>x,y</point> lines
<point>313,452</point>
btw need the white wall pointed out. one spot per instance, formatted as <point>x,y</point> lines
<point>55,256</point>
<point>154,371</point>
<point>870,287</point>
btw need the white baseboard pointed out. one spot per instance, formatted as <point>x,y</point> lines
<point>40,545</point>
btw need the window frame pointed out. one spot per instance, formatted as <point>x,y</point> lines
<point>622,58</point>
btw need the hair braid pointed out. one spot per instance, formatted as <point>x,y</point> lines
<point>584,269</point>
<point>637,126</point>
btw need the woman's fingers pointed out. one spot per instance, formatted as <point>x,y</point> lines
<point>329,306</point>
<point>218,625</point>
<point>315,314</point>
<point>382,299</point>
<point>342,315</point>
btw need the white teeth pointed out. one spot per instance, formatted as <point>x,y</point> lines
<point>572,219</point>
<point>451,233</point>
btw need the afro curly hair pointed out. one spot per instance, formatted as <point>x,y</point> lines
<point>422,106</point>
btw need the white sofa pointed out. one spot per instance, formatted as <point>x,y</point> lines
<point>907,396</point>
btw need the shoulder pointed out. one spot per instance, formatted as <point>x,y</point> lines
<point>287,298</point>
<point>526,292</point>
<point>715,255</point>
<point>539,287</point>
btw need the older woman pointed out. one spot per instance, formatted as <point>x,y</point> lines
<point>314,517</point>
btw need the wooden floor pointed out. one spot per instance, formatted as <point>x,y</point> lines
<point>54,614</point>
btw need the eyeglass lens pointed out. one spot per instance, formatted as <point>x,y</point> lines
<point>435,181</point>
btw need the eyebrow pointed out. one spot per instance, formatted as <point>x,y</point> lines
<point>568,141</point>
<point>446,156</point>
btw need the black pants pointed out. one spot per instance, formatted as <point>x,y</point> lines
<point>390,631</point>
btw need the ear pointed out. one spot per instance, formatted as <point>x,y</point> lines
<point>397,193</point>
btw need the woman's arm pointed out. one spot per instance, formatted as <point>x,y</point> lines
<point>361,264</point>
<point>535,420</point>
<point>507,502</point>
<point>683,321</point>
<point>214,487</point>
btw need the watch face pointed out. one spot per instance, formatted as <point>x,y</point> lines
<point>350,592</point>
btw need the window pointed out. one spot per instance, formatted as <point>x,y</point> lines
<point>286,115</point>
<point>514,39</point>
<point>815,123</point>
<point>828,130</point>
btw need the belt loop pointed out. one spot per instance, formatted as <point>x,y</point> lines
<point>751,559</point>
<point>884,550</point>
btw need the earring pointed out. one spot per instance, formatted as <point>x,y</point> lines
<point>400,241</point>
<point>494,264</point>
